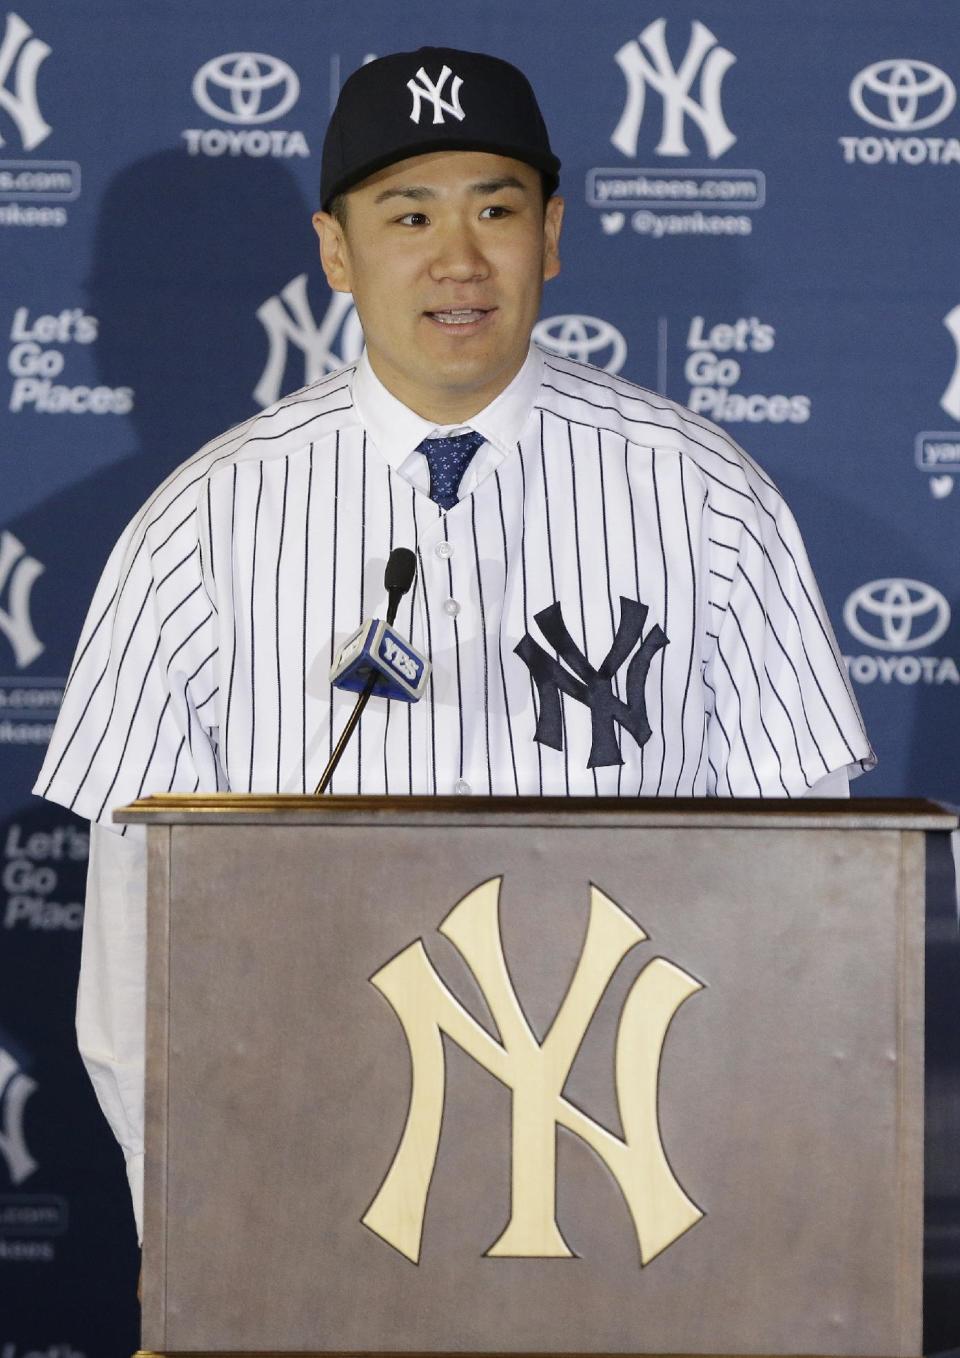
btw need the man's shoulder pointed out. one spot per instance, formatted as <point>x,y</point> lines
<point>644,419</point>
<point>283,428</point>
<point>292,423</point>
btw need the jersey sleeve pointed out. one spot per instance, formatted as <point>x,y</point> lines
<point>782,713</point>
<point>130,723</point>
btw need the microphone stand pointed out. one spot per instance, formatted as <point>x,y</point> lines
<point>346,733</point>
<point>357,713</point>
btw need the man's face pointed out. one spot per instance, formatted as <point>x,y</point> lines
<point>445,255</point>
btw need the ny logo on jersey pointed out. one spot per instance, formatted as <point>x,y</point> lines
<point>536,1073</point>
<point>287,319</point>
<point>20,572</point>
<point>950,400</point>
<point>673,84</point>
<point>22,51</point>
<point>593,687</point>
<point>426,89</point>
<point>15,1089</point>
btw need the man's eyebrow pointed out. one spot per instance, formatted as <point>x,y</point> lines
<point>495,185</point>
<point>420,193</point>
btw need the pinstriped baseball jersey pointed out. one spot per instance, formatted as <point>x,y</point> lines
<point>671,637</point>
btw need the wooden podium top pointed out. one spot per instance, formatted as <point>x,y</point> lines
<point>754,813</point>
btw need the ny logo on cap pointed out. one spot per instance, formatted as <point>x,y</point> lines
<point>426,89</point>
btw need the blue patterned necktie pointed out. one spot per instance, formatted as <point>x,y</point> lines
<point>448,459</point>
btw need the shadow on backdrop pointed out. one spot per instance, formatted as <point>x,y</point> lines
<point>185,252</point>
<point>186,249</point>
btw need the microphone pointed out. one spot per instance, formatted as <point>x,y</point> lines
<point>377,660</point>
<point>397,578</point>
<point>378,655</point>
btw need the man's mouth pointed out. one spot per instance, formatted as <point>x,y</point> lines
<point>459,315</point>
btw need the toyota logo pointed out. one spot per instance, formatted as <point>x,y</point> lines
<point>585,338</point>
<point>246,87</point>
<point>897,95</point>
<point>897,615</point>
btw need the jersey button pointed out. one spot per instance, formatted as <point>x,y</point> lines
<point>462,788</point>
<point>451,608</point>
<point>444,549</point>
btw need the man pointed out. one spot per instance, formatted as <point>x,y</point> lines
<point>575,537</point>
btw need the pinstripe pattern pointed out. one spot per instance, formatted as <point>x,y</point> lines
<point>204,659</point>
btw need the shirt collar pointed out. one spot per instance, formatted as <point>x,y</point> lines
<point>396,430</point>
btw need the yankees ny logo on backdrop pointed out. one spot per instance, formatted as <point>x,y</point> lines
<point>19,571</point>
<point>288,320</point>
<point>535,1073</point>
<point>15,1089</point>
<point>950,400</point>
<point>20,57</point>
<point>426,89</point>
<point>594,688</point>
<point>653,68</point>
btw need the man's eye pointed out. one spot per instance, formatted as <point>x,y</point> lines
<point>494,211</point>
<point>413,219</point>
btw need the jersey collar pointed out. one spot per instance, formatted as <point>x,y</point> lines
<point>396,430</point>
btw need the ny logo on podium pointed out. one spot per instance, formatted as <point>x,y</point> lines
<point>535,1073</point>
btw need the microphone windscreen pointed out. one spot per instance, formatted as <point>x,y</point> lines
<point>375,648</point>
<point>401,568</point>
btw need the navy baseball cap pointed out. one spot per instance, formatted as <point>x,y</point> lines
<point>436,99</point>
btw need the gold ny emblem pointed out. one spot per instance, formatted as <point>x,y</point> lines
<point>536,1073</point>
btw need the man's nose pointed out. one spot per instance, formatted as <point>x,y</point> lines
<point>458,255</point>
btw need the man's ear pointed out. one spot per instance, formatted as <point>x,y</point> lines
<point>552,221</point>
<point>334,254</point>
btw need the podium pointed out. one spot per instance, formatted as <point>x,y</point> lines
<point>481,1075</point>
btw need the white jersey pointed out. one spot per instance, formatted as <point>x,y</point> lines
<point>619,604</point>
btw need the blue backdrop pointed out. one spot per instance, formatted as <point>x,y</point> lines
<point>761,222</point>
